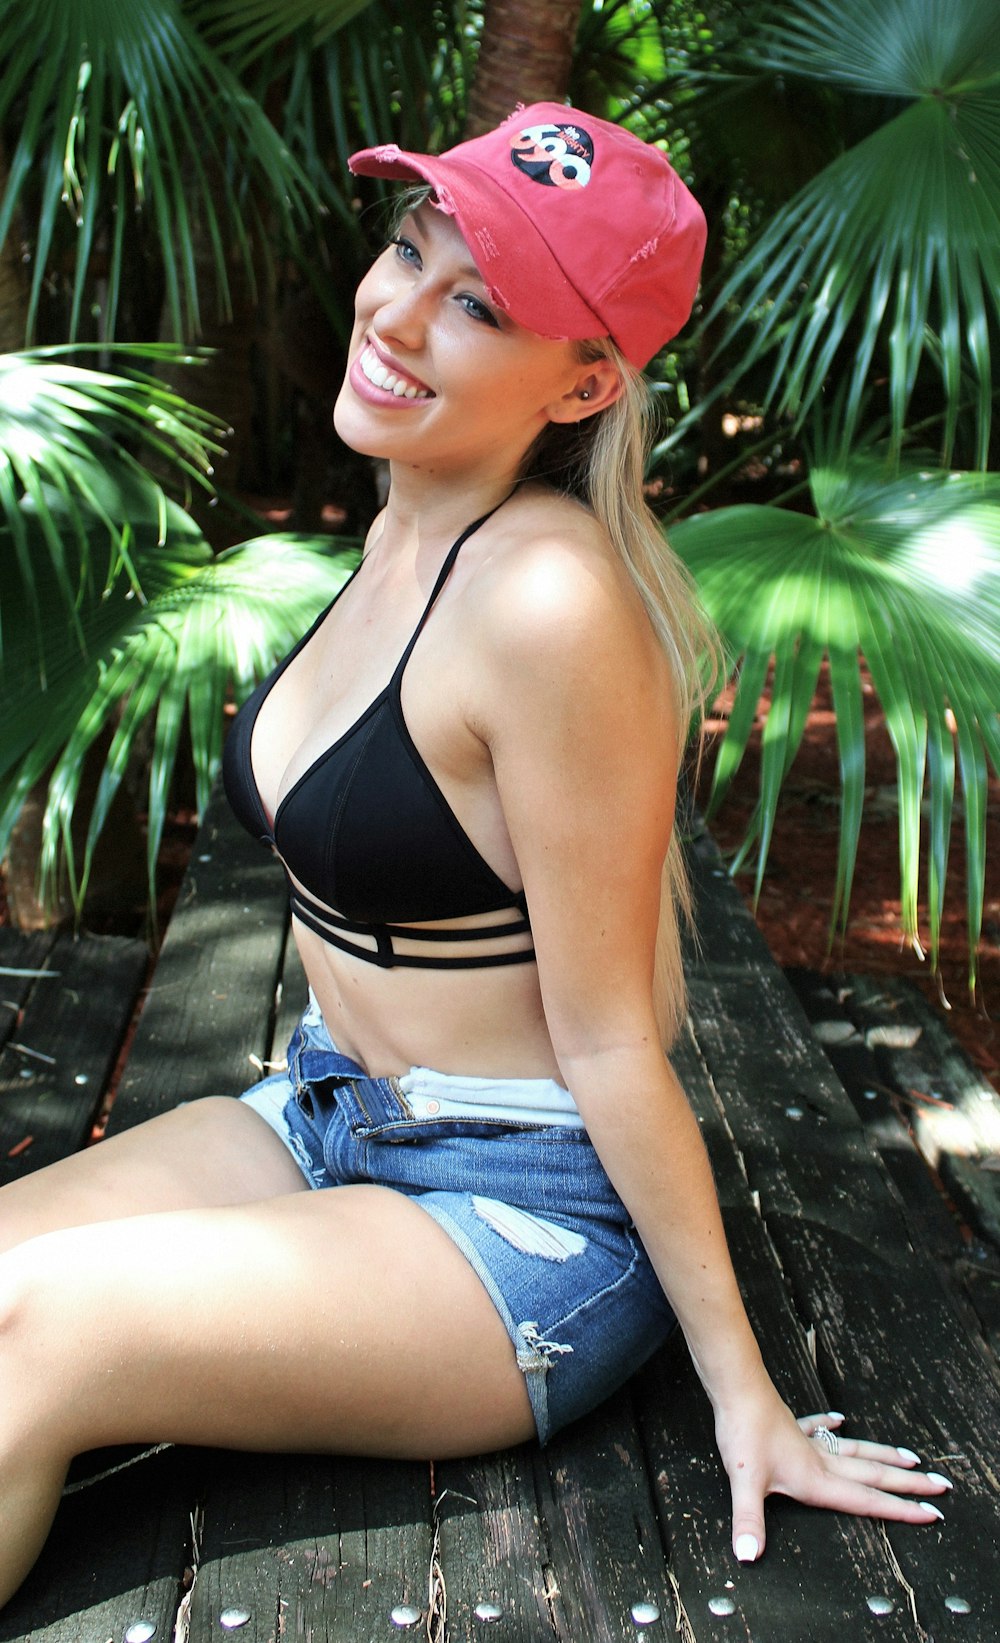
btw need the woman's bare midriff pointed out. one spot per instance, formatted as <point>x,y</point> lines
<point>485,1023</point>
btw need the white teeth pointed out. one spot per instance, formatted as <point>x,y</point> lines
<point>382,377</point>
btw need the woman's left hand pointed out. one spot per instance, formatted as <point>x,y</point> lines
<point>765,1451</point>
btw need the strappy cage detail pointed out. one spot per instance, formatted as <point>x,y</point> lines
<point>336,931</point>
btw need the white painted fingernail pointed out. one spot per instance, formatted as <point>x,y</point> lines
<point>746,1548</point>
<point>835,1415</point>
<point>942,1483</point>
<point>927,1507</point>
<point>907,1454</point>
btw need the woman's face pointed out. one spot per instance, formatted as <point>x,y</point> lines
<point>438,376</point>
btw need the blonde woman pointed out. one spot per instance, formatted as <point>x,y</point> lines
<point>477,1198</point>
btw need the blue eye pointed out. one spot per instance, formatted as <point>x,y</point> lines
<point>479,310</point>
<point>406,251</point>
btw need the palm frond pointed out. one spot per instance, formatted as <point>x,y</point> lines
<point>208,626</point>
<point>903,570</point>
<point>122,108</point>
<point>897,241</point>
<point>385,72</point>
<point>249,29</point>
<point>65,432</point>
<point>900,54</point>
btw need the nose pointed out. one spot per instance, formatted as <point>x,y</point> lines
<point>401,314</point>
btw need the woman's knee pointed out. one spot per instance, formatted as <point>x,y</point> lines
<point>39,1328</point>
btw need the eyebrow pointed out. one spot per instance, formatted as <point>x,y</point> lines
<point>468,269</point>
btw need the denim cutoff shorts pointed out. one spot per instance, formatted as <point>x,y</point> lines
<point>506,1168</point>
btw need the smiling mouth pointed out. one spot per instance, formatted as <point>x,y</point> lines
<point>381,377</point>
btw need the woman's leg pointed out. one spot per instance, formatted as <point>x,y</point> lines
<point>207,1153</point>
<point>342,1320</point>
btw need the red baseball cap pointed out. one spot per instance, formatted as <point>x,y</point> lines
<point>578,228</point>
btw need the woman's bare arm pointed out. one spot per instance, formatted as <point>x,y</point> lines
<point>578,708</point>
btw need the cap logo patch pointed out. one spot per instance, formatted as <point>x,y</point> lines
<point>557,155</point>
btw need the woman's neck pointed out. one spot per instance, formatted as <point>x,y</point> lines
<point>426,508</point>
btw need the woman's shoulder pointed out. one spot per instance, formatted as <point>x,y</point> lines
<point>554,578</point>
<point>539,523</point>
<point>558,635</point>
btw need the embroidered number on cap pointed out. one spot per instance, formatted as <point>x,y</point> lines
<point>560,156</point>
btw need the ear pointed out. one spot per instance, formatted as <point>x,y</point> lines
<point>597,386</point>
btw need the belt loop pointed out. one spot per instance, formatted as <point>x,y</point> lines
<point>294,1055</point>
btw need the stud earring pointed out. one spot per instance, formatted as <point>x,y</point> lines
<point>584,393</point>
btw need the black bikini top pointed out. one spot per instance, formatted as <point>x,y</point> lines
<point>367,838</point>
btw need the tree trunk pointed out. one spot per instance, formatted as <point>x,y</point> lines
<point>525,57</point>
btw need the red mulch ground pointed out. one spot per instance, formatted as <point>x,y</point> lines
<point>794,906</point>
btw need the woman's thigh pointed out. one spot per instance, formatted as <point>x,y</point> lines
<point>344,1320</point>
<point>204,1154</point>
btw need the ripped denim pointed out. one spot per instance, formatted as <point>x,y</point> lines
<point>507,1170</point>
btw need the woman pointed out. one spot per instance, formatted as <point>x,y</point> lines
<point>468,768</point>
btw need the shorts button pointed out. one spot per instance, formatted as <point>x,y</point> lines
<point>433,1107</point>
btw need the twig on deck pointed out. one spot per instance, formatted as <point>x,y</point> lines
<point>911,1595</point>
<point>182,1624</point>
<point>36,1055</point>
<point>123,1466</point>
<point>437,1591</point>
<point>682,1622</point>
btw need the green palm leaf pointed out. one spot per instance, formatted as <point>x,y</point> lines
<point>904,570</point>
<point>897,242</point>
<point>348,77</point>
<point>207,626</point>
<point>249,29</point>
<point>902,53</point>
<point>65,433</point>
<point>124,107</point>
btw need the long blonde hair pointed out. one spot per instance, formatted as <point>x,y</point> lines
<point>602,461</point>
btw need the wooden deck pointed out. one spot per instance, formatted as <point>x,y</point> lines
<point>868,1296</point>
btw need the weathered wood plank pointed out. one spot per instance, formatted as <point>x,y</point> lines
<point>791,1119</point>
<point>885,1121</point>
<point>891,1351</point>
<point>605,1539</point>
<point>817,1571</point>
<point>726,940</point>
<point>955,1111</point>
<point>629,1506</point>
<point>20,953</point>
<point>563,1541</point>
<point>56,1063</point>
<point>311,1547</point>
<point>292,1000</point>
<point>971,1266</point>
<point>491,1548</point>
<point>903,1368</point>
<point>211,1003</point>
<point>116,1555</point>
